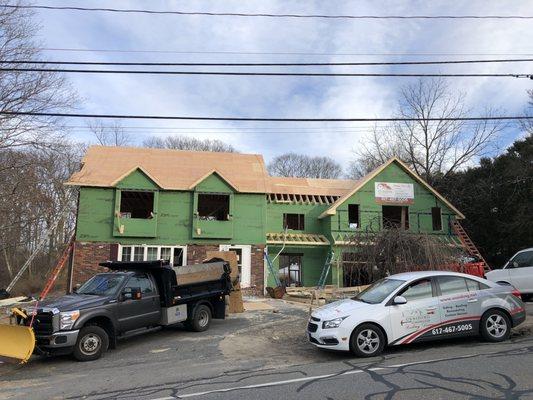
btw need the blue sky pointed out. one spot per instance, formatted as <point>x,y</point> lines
<point>285,96</point>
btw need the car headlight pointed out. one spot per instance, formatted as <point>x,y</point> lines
<point>67,319</point>
<point>333,323</point>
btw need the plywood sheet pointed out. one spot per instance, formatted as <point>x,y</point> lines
<point>235,298</point>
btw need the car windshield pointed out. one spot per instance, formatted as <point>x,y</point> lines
<point>378,291</point>
<point>102,285</point>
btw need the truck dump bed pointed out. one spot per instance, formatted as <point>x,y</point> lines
<point>179,285</point>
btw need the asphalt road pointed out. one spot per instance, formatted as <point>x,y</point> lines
<point>234,361</point>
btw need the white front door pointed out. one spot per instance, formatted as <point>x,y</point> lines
<point>244,261</point>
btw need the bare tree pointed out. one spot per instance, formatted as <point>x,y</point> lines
<point>431,147</point>
<point>37,92</point>
<point>527,124</point>
<point>375,253</point>
<point>303,166</point>
<point>33,152</point>
<point>179,142</point>
<point>110,135</point>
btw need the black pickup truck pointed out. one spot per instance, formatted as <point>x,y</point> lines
<point>132,298</point>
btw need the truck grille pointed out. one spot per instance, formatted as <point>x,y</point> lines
<point>312,327</point>
<point>43,323</point>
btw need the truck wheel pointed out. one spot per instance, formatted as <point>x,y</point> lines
<point>367,341</point>
<point>201,319</point>
<point>495,326</point>
<point>91,344</point>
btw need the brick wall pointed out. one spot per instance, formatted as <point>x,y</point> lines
<point>257,275</point>
<point>87,255</point>
<point>197,253</point>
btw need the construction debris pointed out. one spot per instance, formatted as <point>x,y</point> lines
<point>235,303</point>
<point>314,296</point>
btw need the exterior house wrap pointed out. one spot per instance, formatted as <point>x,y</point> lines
<point>146,204</point>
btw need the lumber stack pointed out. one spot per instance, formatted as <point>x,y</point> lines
<point>235,303</point>
<point>328,294</point>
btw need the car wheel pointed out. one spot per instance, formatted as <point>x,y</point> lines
<point>201,318</point>
<point>495,326</point>
<point>92,342</point>
<point>367,340</point>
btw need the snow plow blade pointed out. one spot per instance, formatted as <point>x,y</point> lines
<point>16,343</point>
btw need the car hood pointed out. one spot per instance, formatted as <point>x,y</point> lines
<point>71,302</point>
<point>340,308</point>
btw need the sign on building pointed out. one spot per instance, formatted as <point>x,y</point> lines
<point>394,193</point>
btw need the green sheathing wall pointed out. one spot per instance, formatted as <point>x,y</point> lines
<point>370,212</point>
<point>312,262</point>
<point>132,227</point>
<point>213,229</point>
<point>174,215</point>
<point>275,211</point>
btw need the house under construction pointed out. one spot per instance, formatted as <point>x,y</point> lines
<point>147,204</point>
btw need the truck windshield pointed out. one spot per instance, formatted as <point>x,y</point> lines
<point>102,285</point>
<point>378,291</point>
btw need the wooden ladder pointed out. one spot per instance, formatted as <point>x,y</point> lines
<point>468,244</point>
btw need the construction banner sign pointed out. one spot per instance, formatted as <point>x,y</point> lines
<point>394,193</point>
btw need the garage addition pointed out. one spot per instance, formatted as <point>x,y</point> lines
<point>138,204</point>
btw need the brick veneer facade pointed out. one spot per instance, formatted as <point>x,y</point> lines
<point>87,255</point>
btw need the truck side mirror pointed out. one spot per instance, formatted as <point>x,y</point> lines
<point>134,293</point>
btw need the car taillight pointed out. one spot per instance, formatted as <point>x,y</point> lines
<point>516,293</point>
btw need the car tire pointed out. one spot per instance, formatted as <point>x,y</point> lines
<point>367,340</point>
<point>201,319</point>
<point>495,326</point>
<point>92,342</point>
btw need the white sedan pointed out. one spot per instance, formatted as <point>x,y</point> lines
<point>417,306</point>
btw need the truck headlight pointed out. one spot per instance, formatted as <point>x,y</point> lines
<point>67,319</point>
<point>333,323</point>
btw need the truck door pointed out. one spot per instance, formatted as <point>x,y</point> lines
<point>411,320</point>
<point>139,313</point>
<point>459,306</point>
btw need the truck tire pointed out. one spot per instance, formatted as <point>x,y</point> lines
<point>201,318</point>
<point>92,342</point>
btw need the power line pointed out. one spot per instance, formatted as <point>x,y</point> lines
<point>251,119</point>
<point>263,15</point>
<point>276,53</point>
<point>285,64</point>
<point>241,73</point>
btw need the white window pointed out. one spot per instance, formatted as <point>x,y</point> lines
<point>177,255</point>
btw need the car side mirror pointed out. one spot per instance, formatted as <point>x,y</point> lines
<point>398,300</point>
<point>76,288</point>
<point>515,264</point>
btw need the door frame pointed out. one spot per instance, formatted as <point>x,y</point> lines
<point>246,262</point>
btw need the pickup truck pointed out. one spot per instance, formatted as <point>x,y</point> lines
<point>134,297</point>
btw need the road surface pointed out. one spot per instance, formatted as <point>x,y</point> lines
<point>233,361</point>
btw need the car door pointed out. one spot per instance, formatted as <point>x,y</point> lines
<point>459,306</point>
<point>143,312</point>
<point>411,320</point>
<point>521,271</point>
